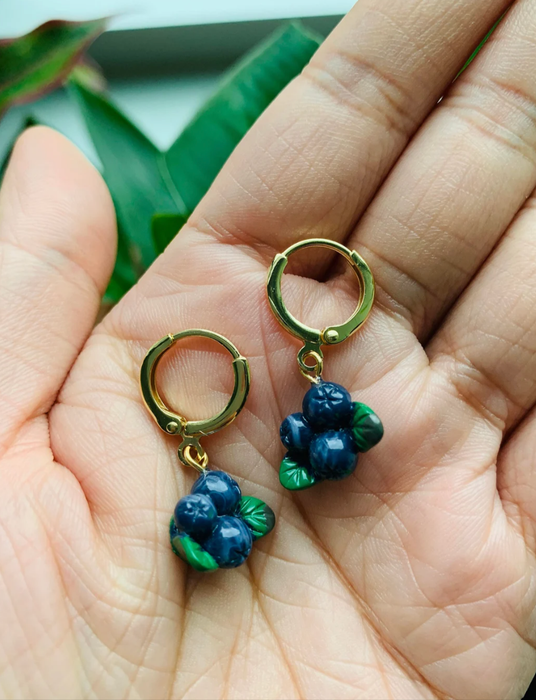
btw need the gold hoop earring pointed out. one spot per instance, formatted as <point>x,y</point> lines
<point>324,440</point>
<point>214,526</point>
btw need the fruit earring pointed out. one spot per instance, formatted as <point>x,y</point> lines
<point>215,526</point>
<point>324,440</point>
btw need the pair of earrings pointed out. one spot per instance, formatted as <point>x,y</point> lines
<point>215,525</point>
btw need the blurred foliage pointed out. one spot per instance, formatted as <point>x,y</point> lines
<point>154,191</point>
<point>164,228</point>
<point>37,62</point>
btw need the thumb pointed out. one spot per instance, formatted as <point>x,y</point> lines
<point>57,248</point>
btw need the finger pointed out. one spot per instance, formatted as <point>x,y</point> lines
<point>57,246</point>
<point>461,181</point>
<point>318,154</point>
<point>487,346</point>
<point>487,351</point>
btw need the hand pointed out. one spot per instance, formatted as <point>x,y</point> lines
<point>414,578</point>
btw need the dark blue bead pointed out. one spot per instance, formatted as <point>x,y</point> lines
<point>296,433</point>
<point>173,529</point>
<point>230,542</point>
<point>333,455</point>
<point>222,490</point>
<point>327,405</point>
<point>196,515</point>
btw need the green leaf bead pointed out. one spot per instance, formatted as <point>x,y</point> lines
<point>191,551</point>
<point>367,428</point>
<point>295,476</point>
<point>258,516</point>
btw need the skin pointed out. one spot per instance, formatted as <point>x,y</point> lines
<point>415,577</point>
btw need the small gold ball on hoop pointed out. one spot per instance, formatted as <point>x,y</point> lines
<point>331,336</point>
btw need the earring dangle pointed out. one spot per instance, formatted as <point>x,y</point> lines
<point>324,440</point>
<point>214,526</point>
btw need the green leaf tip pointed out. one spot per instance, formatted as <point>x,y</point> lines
<point>295,476</point>
<point>367,428</point>
<point>258,516</point>
<point>191,551</point>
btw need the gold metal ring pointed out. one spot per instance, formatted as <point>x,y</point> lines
<point>173,423</point>
<point>331,335</point>
<point>200,461</point>
<point>312,372</point>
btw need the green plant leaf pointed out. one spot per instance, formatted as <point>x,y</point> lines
<point>190,551</point>
<point>126,269</point>
<point>480,46</point>
<point>88,73</point>
<point>200,151</point>
<point>367,428</point>
<point>134,169</point>
<point>164,228</point>
<point>39,61</point>
<point>295,476</point>
<point>258,516</point>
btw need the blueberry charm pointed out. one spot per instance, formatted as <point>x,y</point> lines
<point>327,406</point>
<point>296,433</point>
<point>223,491</point>
<point>333,455</point>
<point>213,527</point>
<point>324,441</point>
<point>230,542</point>
<point>196,515</point>
<point>337,430</point>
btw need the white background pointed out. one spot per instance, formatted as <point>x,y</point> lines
<point>20,16</point>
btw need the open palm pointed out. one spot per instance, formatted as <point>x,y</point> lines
<point>415,577</point>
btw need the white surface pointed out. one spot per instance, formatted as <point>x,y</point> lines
<point>21,16</point>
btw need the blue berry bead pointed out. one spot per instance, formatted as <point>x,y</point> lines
<point>296,433</point>
<point>196,515</point>
<point>327,406</point>
<point>222,490</point>
<point>333,455</point>
<point>230,542</point>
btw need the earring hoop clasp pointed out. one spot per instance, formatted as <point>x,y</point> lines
<point>331,335</point>
<point>173,423</point>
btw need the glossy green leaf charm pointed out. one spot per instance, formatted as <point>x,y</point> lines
<point>294,476</point>
<point>258,516</point>
<point>190,551</point>
<point>367,428</point>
